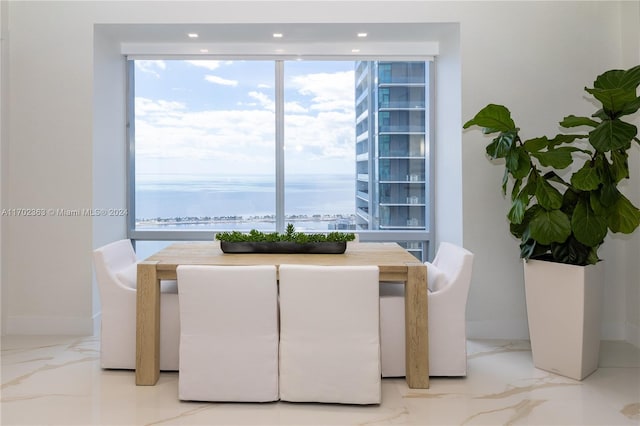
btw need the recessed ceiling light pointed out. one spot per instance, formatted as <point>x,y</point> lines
<point>362,34</point>
<point>204,50</point>
<point>277,35</point>
<point>355,50</point>
<point>192,35</point>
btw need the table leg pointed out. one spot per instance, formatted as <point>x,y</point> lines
<point>147,325</point>
<point>416,327</point>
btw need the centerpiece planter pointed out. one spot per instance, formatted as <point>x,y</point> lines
<point>290,242</point>
<point>327,247</point>
<point>564,304</point>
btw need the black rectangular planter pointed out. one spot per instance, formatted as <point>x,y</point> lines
<point>325,247</point>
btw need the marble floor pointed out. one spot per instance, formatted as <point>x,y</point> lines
<point>58,381</point>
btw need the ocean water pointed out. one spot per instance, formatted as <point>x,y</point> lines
<point>213,202</point>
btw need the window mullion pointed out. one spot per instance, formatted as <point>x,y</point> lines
<point>131,149</point>
<point>279,116</point>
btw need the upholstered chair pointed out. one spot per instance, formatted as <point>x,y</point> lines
<point>329,334</point>
<point>449,279</point>
<point>229,333</point>
<point>116,274</point>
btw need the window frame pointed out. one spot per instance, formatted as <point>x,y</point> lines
<point>425,236</point>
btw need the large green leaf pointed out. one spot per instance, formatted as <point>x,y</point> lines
<point>620,166</point>
<point>518,162</point>
<point>596,204</point>
<point>501,145</point>
<point>566,139</point>
<point>527,248</point>
<point>550,226</point>
<point>612,134</point>
<point>574,252</point>
<point>570,200</point>
<point>505,180</point>
<point>587,178</point>
<point>559,158</point>
<point>548,197</point>
<point>613,100</point>
<point>532,183</point>
<point>616,89</point>
<point>521,230</point>
<point>624,79</point>
<point>608,195</point>
<point>536,144</point>
<point>552,176</point>
<point>518,207</point>
<point>493,118</point>
<point>588,227</point>
<point>573,121</point>
<point>630,108</point>
<point>624,216</point>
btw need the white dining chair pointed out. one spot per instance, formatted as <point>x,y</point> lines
<point>116,274</point>
<point>229,333</point>
<point>449,279</point>
<point>329,334</point>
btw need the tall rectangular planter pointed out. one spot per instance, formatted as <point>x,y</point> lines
<point>564,305</point>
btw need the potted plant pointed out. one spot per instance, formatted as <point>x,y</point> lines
<point>289,242</point>
<point>564,201</point>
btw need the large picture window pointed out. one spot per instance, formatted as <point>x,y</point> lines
<point>241,144</point>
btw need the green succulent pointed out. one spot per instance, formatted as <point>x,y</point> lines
<point>290,235</point>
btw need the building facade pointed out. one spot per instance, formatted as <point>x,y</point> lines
<point>392,140</point>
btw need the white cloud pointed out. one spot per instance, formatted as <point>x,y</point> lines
<point>319,131</point>
<point>294,107</point>
<point>325,129</point>
<point>329,91</point>
<point>263,100</point>
<point>219,80</point>
<point>210,65</point>
<point>228,139</point>
<point>145,107</point>
<point>150,67</point>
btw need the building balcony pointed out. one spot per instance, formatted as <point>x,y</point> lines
<point>401,128</point>
<point>361,195</point>
<point>362,157</point>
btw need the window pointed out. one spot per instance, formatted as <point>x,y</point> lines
<point>243,144</point>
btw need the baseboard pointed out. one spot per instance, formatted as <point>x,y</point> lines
<point>54,325</point>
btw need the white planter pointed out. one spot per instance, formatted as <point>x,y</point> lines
<point>564,309</point>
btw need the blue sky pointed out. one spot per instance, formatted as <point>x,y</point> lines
<point>217,117</point>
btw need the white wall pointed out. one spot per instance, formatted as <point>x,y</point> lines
<point>66,134</point>
<point>109,151</point>
<point>4,66</point>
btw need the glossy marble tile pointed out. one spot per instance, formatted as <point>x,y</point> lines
<point>58,381</point>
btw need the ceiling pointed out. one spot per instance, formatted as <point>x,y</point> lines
<point>297,39</point>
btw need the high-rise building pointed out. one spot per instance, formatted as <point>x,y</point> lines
<point>392,145</point>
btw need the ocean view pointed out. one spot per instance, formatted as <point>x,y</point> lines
<point>312,202</point>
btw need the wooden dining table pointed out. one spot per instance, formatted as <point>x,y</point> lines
<point>393,262</point>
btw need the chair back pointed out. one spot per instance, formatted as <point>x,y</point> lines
<point>108,261</point>
<point>229,333</point>
<point>329,334</point>
<point>456,264</point>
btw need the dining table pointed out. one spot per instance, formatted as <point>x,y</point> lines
<point>394,264</point>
